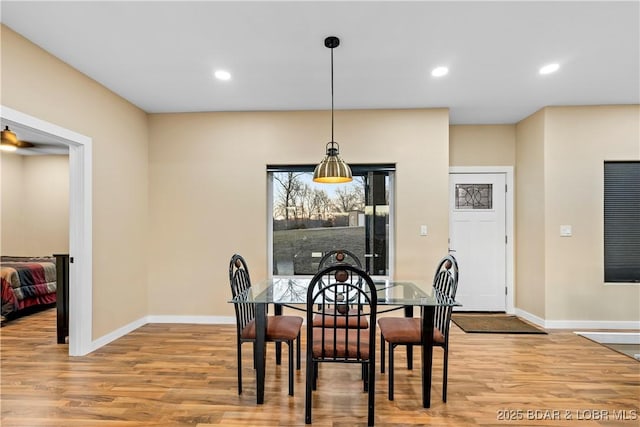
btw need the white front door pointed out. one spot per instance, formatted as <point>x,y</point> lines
<point>477,239</point>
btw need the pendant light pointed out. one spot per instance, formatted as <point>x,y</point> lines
<point>332,170</point>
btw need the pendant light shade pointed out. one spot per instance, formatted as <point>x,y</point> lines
<point>332,170</point>
<point>9,140</point>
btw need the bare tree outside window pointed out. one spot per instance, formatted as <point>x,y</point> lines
<point>289,188</point>
<point>310,219</point>
<point>350,198</point>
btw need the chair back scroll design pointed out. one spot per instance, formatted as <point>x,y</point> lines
<point>445,284</point>
<point>240,287</point>
<point>339,256</point>
<point>344,286</point>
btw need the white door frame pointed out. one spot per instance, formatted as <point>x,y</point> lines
<point>80,225</point>
<point>509,207</point>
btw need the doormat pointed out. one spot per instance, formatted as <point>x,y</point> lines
<point>491,323</point>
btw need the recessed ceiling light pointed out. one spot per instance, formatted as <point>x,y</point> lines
<point>222,75</point>
<point>549,68</point>
<point>439,71</point>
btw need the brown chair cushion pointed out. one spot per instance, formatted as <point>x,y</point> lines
<point>340,348</point>
<point>341,321</point>
<point>405,330</point>
<point>280,328</point>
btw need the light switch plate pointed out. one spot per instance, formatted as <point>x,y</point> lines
<point>565,231</point>
<point>423,230</point>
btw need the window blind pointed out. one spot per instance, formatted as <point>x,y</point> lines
<point>622,221</point>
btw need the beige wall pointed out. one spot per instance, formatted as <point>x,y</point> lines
<point>11,183</point>
<point>35,205</point>
<point>40,85</point>
<point>530,215</point>
<point>208,192</point>
<point>482,145</point>
<point>559,174</point>
<point>558,155</point>
<point>578,140</point>
<point>167,216</point>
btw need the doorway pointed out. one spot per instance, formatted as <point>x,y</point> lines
<point>80,223</point>
<point>481,236</point>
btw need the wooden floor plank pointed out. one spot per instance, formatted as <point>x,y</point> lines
<point>185,375</point>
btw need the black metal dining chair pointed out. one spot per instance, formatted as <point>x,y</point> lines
<point>340,257</point>
<point>344,286</point>
<point>408,330</point>
<point>279,328</point>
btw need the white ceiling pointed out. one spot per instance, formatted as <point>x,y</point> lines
<point>160,55</point>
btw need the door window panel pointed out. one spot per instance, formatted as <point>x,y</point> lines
<point>474,196</point>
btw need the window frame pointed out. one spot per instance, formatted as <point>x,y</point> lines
<point>356,169</point>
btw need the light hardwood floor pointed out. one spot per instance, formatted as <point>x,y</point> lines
<point>180,375</point>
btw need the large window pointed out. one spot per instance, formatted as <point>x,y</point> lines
<point>310,219</point>
<point>622,221</point>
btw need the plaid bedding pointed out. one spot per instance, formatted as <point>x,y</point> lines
<point>26,282</point>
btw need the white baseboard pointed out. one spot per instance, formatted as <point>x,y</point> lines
<point>538,321</point>
<point>120,332</point>
<point>200,320</point>
<point>630,338</point>
<point>591,324</point>
<point>577,324</point>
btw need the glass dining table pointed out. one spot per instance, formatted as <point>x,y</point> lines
<point>391,295</point>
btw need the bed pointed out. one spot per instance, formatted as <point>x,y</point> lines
<point>28,283</point>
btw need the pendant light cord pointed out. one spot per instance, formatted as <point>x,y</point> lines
<point>332,97</point>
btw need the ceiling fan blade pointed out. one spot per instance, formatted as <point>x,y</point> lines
<point>24,144</point>
<point>10,139</point>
